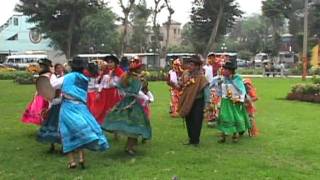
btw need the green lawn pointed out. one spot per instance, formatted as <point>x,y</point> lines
<point>288,146</point>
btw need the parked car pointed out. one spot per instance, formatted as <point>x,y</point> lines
<point>242,63</point>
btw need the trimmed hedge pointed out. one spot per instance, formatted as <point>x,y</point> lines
<point>12,75</point>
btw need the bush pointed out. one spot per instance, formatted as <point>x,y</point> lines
<point>12,75</point>
<point>157,75</point>
<point>26,78</point>
<point>249,71</point>
<point>316,79</point>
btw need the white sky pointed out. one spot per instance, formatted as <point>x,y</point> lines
<point>182,9</point>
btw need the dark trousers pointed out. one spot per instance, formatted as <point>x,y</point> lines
<point>194,121</point>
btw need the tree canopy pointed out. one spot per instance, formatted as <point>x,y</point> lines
<point>210,21</point>
<point>64,21</point>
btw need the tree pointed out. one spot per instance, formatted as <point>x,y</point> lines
<point>276,11</point>
<point>211,18</point>
<point>140,16</point>
<point>60,20</point>
<point>168,24</point>
<point>125,22</point>
<point>156,28</point>
<point>98,31</point>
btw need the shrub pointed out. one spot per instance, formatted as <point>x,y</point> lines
<point>11,75</point>
<point>26,78</point>
<point>316,79</point>
<point>249,71</point>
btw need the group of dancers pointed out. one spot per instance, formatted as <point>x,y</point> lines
<point>89,99</point>
<point>104,96</point>
<point>214,92</point>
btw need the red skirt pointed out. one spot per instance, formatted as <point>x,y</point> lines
<point>104,102</point>
<point>91,100</point>
<point>35,110</point>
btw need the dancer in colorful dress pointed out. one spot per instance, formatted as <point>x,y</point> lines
<point>251,98</point>
<point>128,117</point>
<point>173,81</point>
<point>49,131</point>
<point>78,127</point>
<point>93,84</point>
<point>194,99</point>
<point>213,112</point>
<point>38,107</point>
<point>108,95</point>
<point>233,117</point>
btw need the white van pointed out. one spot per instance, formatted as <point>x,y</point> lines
<point>22,61</point>
<point>260,59</point>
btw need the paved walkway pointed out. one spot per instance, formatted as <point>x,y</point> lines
<point>261,76</point>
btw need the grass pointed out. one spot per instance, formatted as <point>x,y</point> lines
<point>287,147</point>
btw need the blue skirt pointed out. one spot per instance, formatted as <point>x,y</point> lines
<point>79,129</point>
<point>49,131</point>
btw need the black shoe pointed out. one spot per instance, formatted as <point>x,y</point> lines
<point>222,140</point>
<point>81,163</point>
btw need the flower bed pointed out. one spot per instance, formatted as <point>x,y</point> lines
<point>305,92</point>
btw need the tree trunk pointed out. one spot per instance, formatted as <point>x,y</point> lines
<point>124,35</point>
<point>69,51</point>
<point>211,43</point>
<point>168,35</point>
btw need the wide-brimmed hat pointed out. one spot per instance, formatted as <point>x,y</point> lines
<point>194,59</point>
<point>77,63</point>
<point>112,58</point>
<point>45,62</point>
<point>230,65</point>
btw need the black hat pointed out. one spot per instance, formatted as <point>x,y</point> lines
<point>45,62</point>
<point>230,65</point>
<point>77,63</point>
<point>194,59</point>
<point>112,58</point>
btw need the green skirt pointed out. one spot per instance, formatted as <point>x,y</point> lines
<point>128,118</point>
<point>233,118</point>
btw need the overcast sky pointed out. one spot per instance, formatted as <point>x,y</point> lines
<point>182,9</point>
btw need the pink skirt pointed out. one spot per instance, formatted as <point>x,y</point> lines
<point>33,113</point>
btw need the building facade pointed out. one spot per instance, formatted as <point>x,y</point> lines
<point>175,32</point>
<point>18,36</point>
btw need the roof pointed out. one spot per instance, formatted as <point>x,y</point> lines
<point>28,56</point>
<point>172,22</point>
<point>180,54</point>
<point>93,55</point>
<point>141,54</point>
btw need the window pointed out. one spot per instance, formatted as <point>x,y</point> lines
<point>175,31</point>
<point>13,38</point>
<point>18,60</point>
<point>16,21</point>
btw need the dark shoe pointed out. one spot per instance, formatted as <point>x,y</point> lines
<point>52,149</point>
<point>235,139</point>
<point>81,163</point>
<point>222,140</point>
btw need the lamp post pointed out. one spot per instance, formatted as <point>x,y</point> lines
<point>224,47</point>
<point>305,41</point>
